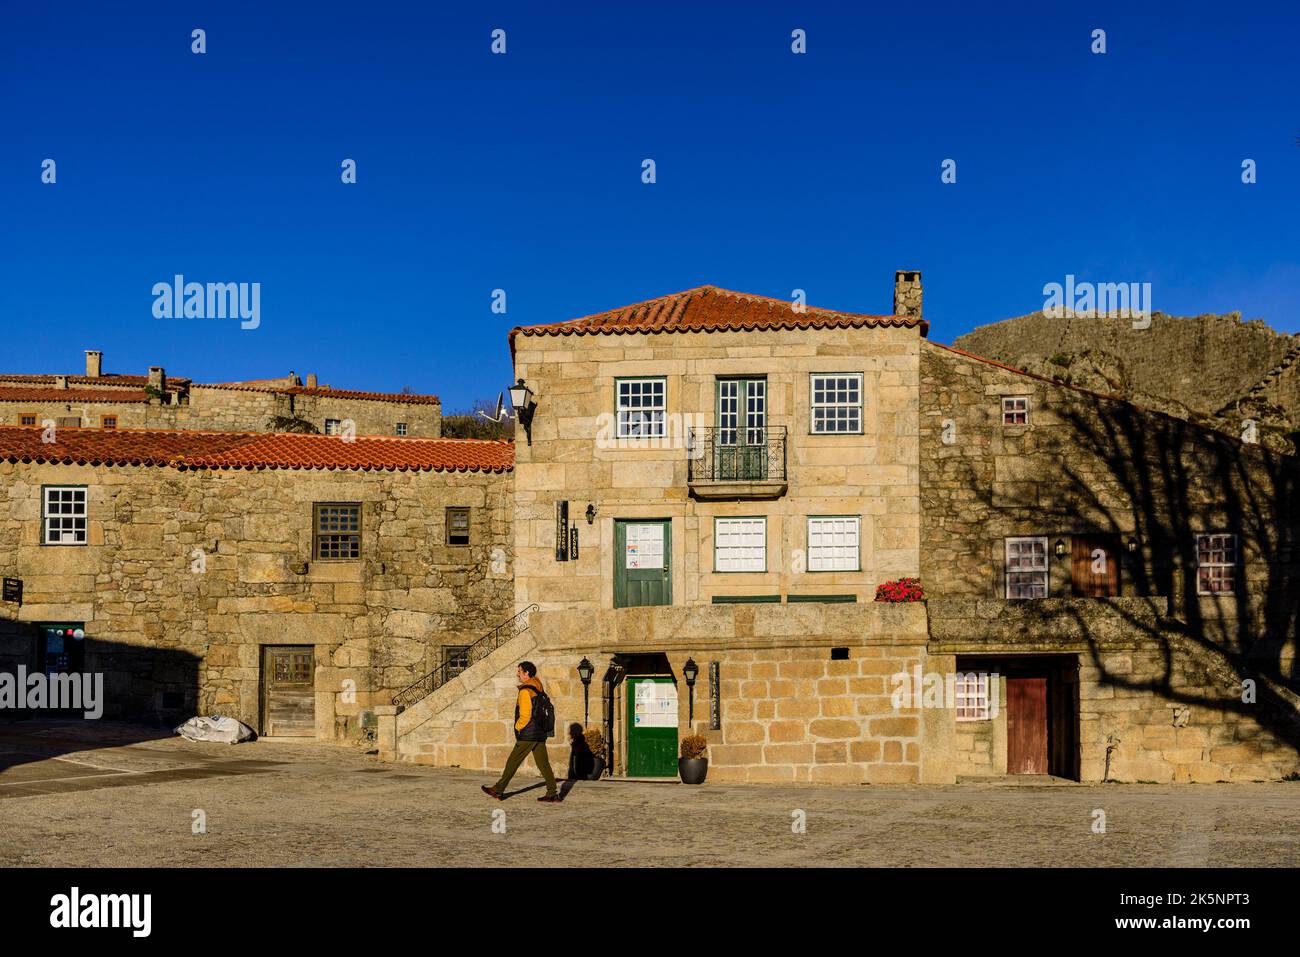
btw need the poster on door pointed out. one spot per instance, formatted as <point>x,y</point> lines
<point>655,705</point>
<point>644,546</point>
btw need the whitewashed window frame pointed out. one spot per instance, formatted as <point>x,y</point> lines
<point>735,550</point>
<point>1020,569</point>
<point>1224,570</point>
<point>971,696</point>
<point>1015,405</point>
<point>624,411</point>
<point>853,410</point>
<point>65,507</point>
<point>824,556</point>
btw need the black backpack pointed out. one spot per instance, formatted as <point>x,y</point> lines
<point>543,717</point>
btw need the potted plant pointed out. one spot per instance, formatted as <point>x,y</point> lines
<point>693,765</point>
<point>596,742</point>
<point>902,590</point>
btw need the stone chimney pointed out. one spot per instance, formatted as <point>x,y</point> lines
<point>158,382</point>
<point>907,293</point>
<point>60,382</point>
<point>94,364</point>
<point>311,380</point>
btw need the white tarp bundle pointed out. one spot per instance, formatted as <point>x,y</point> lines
<point>215,728</point>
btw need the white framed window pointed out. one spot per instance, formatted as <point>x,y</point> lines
<point>63,515</point>
<point>399,428</point>
<point>1027,567</point>
<point>640,408</point>
<point>1015,410</point>
<point>833,543</point>
<point>972,696</point>
<point>333,426</point>
<point>1216,563</point>
<point>836,402</point>
<point>740,544</point>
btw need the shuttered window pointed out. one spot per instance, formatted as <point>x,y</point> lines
<point>833,543</point>
<point>740,544</point>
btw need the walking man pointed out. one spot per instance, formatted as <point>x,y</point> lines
<point>534,722</point>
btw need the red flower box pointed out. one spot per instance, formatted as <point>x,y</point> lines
<point>905,589</point>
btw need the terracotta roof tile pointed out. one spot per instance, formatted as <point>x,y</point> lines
<point>710,309</point>
<point>238,450</point>
<point>44,394</point>
<point>107,379</point>
<point>400,398</point>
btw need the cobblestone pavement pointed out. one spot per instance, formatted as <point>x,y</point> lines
<point>111,795</point>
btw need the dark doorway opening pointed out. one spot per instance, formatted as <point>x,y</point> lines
<point>1042,710</point>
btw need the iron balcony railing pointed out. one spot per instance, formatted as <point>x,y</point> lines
<point>736,455</point>
<point>479,650</point>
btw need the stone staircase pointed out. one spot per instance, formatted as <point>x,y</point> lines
<point>464,721</point>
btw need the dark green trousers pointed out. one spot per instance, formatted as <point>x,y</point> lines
<point>522,749</point>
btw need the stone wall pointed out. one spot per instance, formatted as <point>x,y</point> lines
<point>242,410</point>
<point>1168,708</point>
<point>380,622</point>
<point>789,712</point>
<point>573,457</point>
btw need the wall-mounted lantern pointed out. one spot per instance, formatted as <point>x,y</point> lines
<point>522,399</point>
<point>690,671</point>
<point>591,513</point>
<point>585,671</point>
<point>1060,548</point>
<point>1131,545</point>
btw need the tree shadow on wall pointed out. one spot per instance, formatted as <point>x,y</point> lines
<point>1127,471</point>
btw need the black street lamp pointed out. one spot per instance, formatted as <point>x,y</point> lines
<point>690,671</point>
<point>521,398</point>
<point>585,671</point>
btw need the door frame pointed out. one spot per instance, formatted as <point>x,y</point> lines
<point>631,733</point>
<point>264,689</point>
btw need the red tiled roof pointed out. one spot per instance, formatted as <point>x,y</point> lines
<point>710,309</point>
<point>401,398</point>
<point>44,394</point>
<point>188,449</point>
<point>108,379</point>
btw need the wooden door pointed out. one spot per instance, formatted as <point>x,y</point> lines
<point>642,563</point>
<point>1095,566</point>
<point>652,727</point>
<point>1026,725</point>
<point>289,691</point>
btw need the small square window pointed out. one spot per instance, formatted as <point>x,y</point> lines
<point>1026,567</point>
<point>69,422</point>
<point>63,515</point>
<point>108,422</point>
<point>27,419</point>
<point>740,544</point>
<point>456,658</point>
<point>333,426</point>
<point>337,532</point>
<point>641,404</point>
<point>972,696</point>
<point>1216,563</point>
<point>457,526</point>
<point>1015,410</point>
<point>836,403</point>
<point>399,428</point>
<point>833,543</point>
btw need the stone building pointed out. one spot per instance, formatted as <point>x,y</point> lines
<point>291,581</point>
<point>706,492</point>
<point>156,401</point>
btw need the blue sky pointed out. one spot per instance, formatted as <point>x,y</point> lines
<point>775,171</point>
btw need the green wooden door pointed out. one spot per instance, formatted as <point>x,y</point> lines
<point>642,560</point>
<point>740,448</point>
<point>651,728</point>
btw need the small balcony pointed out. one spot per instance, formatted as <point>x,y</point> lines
<point>732,463</point>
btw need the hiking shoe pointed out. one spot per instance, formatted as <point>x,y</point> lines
<point>549,799</point>
<point>493,793</point>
